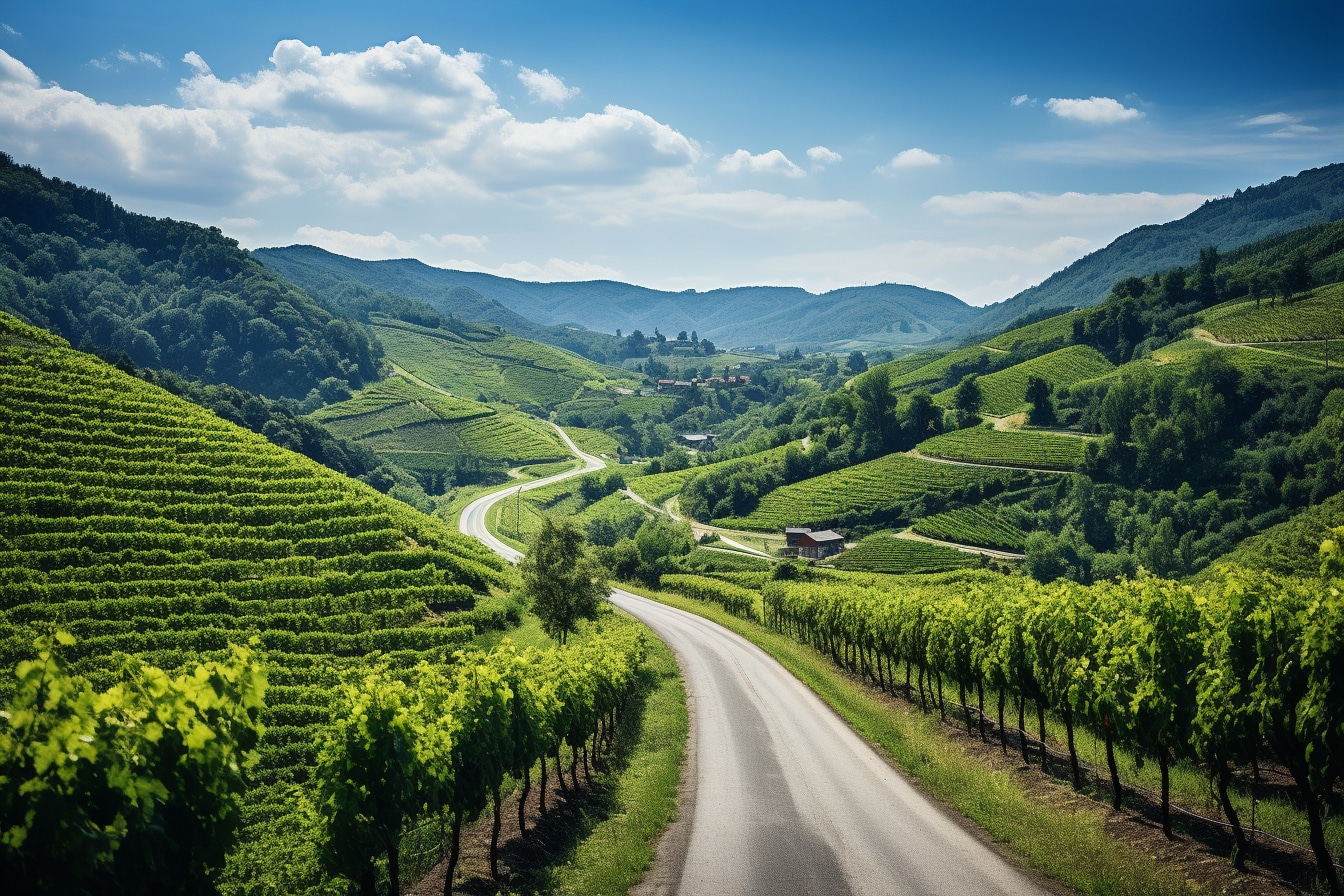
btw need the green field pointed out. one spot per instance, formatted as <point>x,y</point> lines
<point>658,487</point>
<point>1325,351</point>
<point>494,366</point>
<point>1244,359</point>
<point>980,526</point>
<point>886,553</point>
<point>149,527</point>
<point>876,489</point>
<point>593,441</point>
<point>932,372</point>
<point>1043,332</point>
<point>426,431</point>
<point>1313,315</point>
<point>1005,391</point>
<point>1018,448</point>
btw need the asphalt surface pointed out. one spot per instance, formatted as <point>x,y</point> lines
<point>781,796</point>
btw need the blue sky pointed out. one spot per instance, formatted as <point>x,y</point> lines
<point>969,147</point>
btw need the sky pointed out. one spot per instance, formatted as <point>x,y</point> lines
<point>973,148</point>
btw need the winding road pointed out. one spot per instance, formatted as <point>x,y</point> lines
<point>781,796</point>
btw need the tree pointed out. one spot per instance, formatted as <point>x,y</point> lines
<point>968,397</point>
<point>562,581</point>
<point>857,363</point>
<point>135,789</point>
<point>1042,407</point>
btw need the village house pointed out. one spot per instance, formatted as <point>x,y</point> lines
<point>813,545</point>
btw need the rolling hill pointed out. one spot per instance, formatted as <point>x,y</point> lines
<point>1290,203</point>
<point>857,316</point>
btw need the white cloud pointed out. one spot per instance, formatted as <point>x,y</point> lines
<point>545,87</point>
<point>457,241</point>
<point>372,247</point>
<point>1294,130</point>
<point>821,156</point>
<point>1094,110</point>
<point>1022,99</point>
<point>556,269</point>
<point>1273,118</point>
<point>402,121</point>
<point>772,162</point>
<point>9,29</point>
<point>1066,205</point>
<point>140,58</point>
<point>194,60</point>
<point>911,158</point>
<point>247,223</point>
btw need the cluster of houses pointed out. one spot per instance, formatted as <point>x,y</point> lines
<point>813,545</point>
<point>712,382</point>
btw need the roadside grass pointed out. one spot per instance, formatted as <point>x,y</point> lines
<point>642,789</point>
<point>1067,843</point>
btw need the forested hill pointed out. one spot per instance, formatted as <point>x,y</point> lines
<point>359,286</point>
<point>858,316</point>
<point>1314,196</point>
<point>169,294</point>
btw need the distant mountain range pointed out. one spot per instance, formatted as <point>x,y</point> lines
<point>854,317</point>
<point>1312,197</point>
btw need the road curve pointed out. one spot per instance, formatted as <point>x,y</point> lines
<point>785,797</point>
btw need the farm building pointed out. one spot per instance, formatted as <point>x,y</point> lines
<point>814,545</point>
<point>698,441</point>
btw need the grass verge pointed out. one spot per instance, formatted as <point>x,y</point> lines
<point>1065,842</point>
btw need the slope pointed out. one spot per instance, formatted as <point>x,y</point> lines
<point>150,527</point>
<point>1290,203</point>
<point>885,314</point>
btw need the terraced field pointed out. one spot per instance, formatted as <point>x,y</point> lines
<point>658,487</point>
<point>1016,448</point>
<point>934,371</point>
<point>1042,332</point>
<point>980,526</point>
<point>1313,315</point>
<point>593,441</point>
<point>1005,391</point>
<point>1246,360</point>
<point>878,489</point>
<point>148,526</point>
<point>886,553</point>
<point>426,431</point>
<point>494,366</point>
<point>1331,350</point>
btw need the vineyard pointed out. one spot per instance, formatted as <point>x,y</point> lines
<point>933,371</point>
<point>1052,330</point>
<point>879,490</point>
<point>1014,448</point>
<point>1005,391</point>
<point>1247,360</point>
<point>980,526</point>
<point>593,441</point>
<point>1151,669</point>
<point>658,487</point>
<point>888,554</point>
<point>494,366</point>
<point>1314,315</point>
<point>420,429</point>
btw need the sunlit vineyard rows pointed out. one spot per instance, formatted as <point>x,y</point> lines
<point>1005,391</point>
<point>661,486</point>
<point>886,553</point>
<point>1017,448</point>
<point>866,491</point>
<point>1313,315</point>
<point>980,526</point>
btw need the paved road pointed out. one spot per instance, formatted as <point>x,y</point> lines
<point>784,797</point>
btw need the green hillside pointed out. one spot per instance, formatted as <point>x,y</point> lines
<point>169,294</point>
<point>488,364</point>
<point>885,490</point>
<point>438,435</point>
<point>1005,390</point>
<point>148,527</point>
<point>1018,448</point>
<point>1258,213</point>
<point>1317,314</point>
<point>902,556</point>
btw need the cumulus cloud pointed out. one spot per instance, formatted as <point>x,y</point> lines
<point>1093,110</point>
<point>402,121</point>
<point>194,60</point>
<point>1022,99</point>
<point>1073,205</point>
<point>821,156</point>
<point>372,247</point>
<point>772,162</point>
<point>545,87</point>
<point>911,158</point>
<point>457,241</point>
<point>557,269</point>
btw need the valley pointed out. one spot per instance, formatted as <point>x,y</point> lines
<point>323,490</point>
